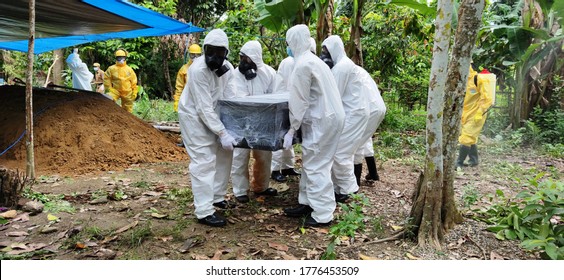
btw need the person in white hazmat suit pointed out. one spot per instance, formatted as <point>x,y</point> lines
<point>355,102</point>
<point>81,76</point>
<point>315,106</point>
<point>283,161</point>
<point>377,113</point>
<point>209,145</point>
<point>251,78</point>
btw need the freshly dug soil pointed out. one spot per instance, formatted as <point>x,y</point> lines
<point>78,132</point>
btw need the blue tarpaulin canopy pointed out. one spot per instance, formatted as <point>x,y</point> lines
<point>65,23</point>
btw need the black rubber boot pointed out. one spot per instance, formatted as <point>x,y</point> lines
<point>372,171</point>
<point>462,154</point>
<point>473,155</point>
<point>358,172</point>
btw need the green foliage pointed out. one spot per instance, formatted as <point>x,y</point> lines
<point>470,195</point>
<point>351,221</point>
<point>550,125</point>
<point>398,120</point>
<point>554,150</point>
<point>535,217</point>
<point>154,109</point>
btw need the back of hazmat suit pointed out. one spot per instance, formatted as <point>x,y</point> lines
<point>355,102</point>
<point>480,92</point>
<point>376,116</point>
<point>315,106</point>
<point>81,76</point>
<point>201,128</point>
<point>248,84</point>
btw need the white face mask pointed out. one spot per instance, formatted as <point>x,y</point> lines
<point>95,68</point>
<point>121,61</point>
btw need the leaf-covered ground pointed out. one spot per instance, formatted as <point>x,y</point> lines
<point>146,212</point>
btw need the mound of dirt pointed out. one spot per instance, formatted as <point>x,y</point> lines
<point>77,133</point>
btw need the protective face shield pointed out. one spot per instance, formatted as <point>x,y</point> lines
<point>215,56</point>
<point>120,59</point>
<point>326,57</point>
<point>194,56</point>
<point>247,67</point>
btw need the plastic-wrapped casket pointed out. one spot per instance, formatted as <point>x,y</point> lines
<point>256,122</point>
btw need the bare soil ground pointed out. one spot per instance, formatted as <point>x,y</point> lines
<point>137,204</point>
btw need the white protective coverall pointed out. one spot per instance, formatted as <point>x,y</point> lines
<point>200,126</point>
<point>377,113</point>
<point>263,83</point>
<point>285,159</point>
<point>355,102</point>
<point>81,76</point>
<point>316,106</point>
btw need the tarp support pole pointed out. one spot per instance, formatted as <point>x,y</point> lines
<point>30,163</point>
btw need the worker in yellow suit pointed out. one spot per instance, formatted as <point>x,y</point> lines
<point>480,94</point>
<point>120,81</point>
<point>194,51</point>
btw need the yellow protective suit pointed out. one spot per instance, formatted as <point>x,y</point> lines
<point>181,79</point>
<point>479,97</point>
<point>120,81</point>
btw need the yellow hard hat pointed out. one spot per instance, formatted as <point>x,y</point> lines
<point>120,52</point>
<point>96,64</point>
<point>195,48</point>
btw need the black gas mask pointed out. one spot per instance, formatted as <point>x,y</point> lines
<point>215,56</point>
<point>326,57</point>
<point>247,67</point>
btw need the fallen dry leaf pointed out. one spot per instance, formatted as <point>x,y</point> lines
<point>30,248</point>
<point>199,257</point>
<point>411,257</point>
<point>279,247</point>
<point>151,193</point>
<point>365,257</point>
<point>286,256</point>
<point>496,256</point>
<point>396,228</point>
<point>51,217</point>
<point>9,214</point>
<point>217,255</point>
<point>79,245</point>
<point>20,246</point>
<point>166,238</point>
<point>260,199</point>
<point>127,227</point>
<point>24,217</point>
<point>191,242</point>
<point>17,233</point>
<point>158,215</point>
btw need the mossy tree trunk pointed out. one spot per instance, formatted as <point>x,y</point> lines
<point>434,209</point>
<point>469,18</point>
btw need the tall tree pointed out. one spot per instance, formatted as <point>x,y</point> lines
<point>354,48</point>
<point>434,210</point>
<point>30,162</point>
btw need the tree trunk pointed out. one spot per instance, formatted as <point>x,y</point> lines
<point>58,67</point>
<point>426,213</point>
<point>321,30</point>
<point>469,20</point>
<point>354,47</point>
<point>30,163</point>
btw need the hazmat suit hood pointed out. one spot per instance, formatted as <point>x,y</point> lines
<point>253,50</point>
<point>297,38</point>
<point>313,45</point>
<point>218,38</point>
<point>336,48</point>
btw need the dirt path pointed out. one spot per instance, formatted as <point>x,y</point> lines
<point>148,214</point>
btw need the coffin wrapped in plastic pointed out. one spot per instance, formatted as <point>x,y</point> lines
<point>256,122</point>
